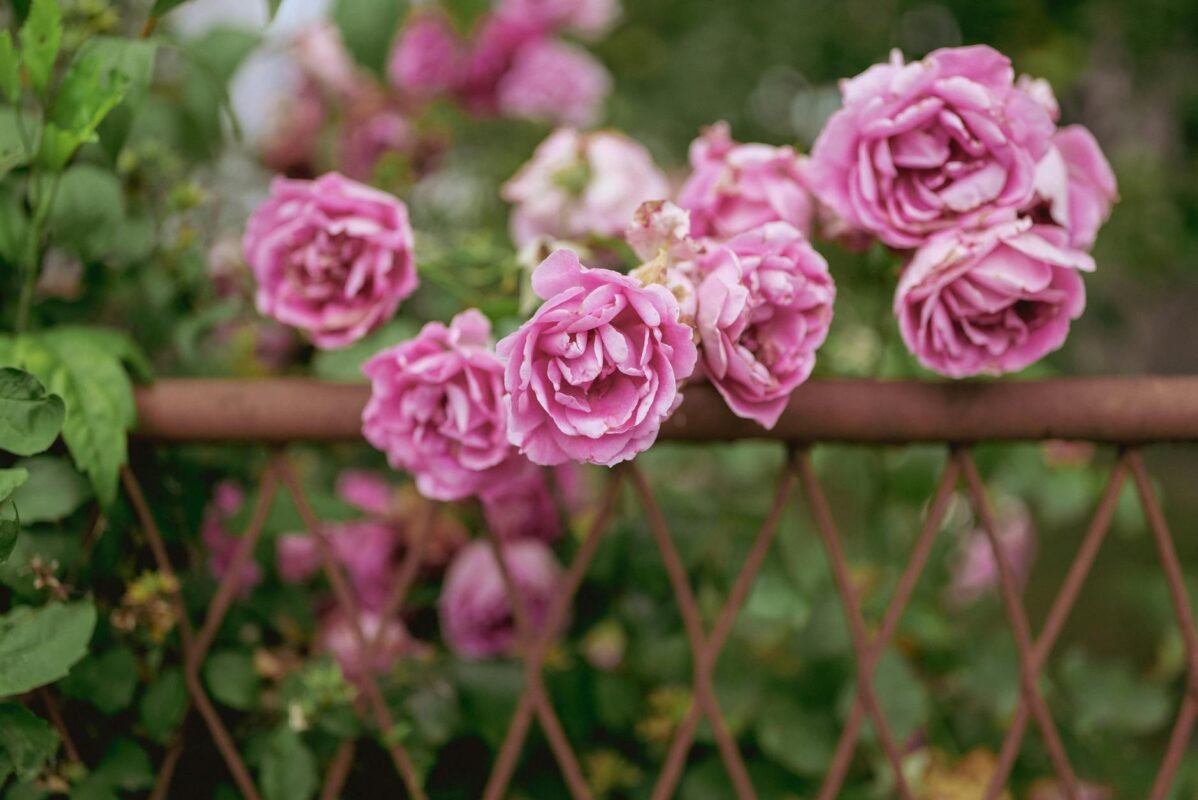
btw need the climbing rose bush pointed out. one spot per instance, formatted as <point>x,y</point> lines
<point>332,257</point>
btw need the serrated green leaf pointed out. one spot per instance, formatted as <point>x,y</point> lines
<point>231,678</point>
<point>13,153</point>
<point>11,480</point>
<point>288,769</point>
<point>10,529</point>
<point>106,681</point>
<point>10,68</point>
<point>26,739</point>
<point>41,36</point>
<point>84,367</point>
<point>40,645</point>
<point>54,489</point>
<point>134,59</point>
<point>163,705</point>
<point>94,85</point>
<point>30,417</point>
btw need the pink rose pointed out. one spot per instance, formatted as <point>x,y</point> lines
<point>597,369</point>
<point>990,301</point>
<point>321,54</point>
<point>428,58</point>
<point>331,256</point>
<point>221,543</point>
<point>292,140</point>
<point>764,306</point>
<point>581,184</point>
<point>941,143</point>
<point>1041,91</point>
<point>368,135</point>
<point>1076,186</point>
<point>523,506</point>
<point>975,573</point>
<point>365,490</point>
<point>587,18</point>
<point>550,81</point>
<point>491,53</point>
<point>436,408</point>
<point>476,613</point>
<point>366,549</point>
<point>737,187</point>
<point>390,638</point>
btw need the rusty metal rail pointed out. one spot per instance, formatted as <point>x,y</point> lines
<point>1130,410</point>
<point>1127,413</point>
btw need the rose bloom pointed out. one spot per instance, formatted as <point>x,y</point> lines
<point>321,54</point>
<point>581,184</point>
<point>436,408</point>
<point>550,81</point>
<point>734,187</point>
<point>975,573</point>
<point>365,490</point>
<point>477,619</point>
<point>369,134</point>
<point>937,144</point>
<point>292,141</point>
<point>764,307</point>
<point>589,19</point>
<point>597,369</point>
<point>331,256</point>
<point>428,58</point>
<point>990,301</point>
<point>390,638</point>
<point>492,50</point>
<point>366,549</point>
<point>221,543</point>
<point>523,506</point>
<point>1076,185</point>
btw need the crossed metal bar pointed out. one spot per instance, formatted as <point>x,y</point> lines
<point>535,640</point>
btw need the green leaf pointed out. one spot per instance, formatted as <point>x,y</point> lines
<point>288,770</point>
<point>133,59</point>
<point>40,645</point>
<point>367,29</point>
<point>10,68</point>
<point>93,86</point>
<point>13,152</point>
<point>26,740</point>
<point>163,6</point>
<point>41,36</point>
<point>125,768</point>
<point>1107,697</point>
<point>88,211</point>
<point>14,224</point>
<point>107,681</point>
<point>163,705</point>
<point>231,678</point>
<point>30,418</point>
<point>346,364</point>
<point>272,8</point>
<point>54,490</point>
<point>10,528</point>
<point>83,365</point>
<point>10,480</point>
<point>903,697</point>
<point>797,739</point>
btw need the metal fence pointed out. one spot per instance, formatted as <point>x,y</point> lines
<point>1127,414</point>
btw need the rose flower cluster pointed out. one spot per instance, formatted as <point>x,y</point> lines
<point>949,161</point>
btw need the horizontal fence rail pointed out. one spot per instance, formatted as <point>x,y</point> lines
<point>1128,410</point>
<point>1127,413</point>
